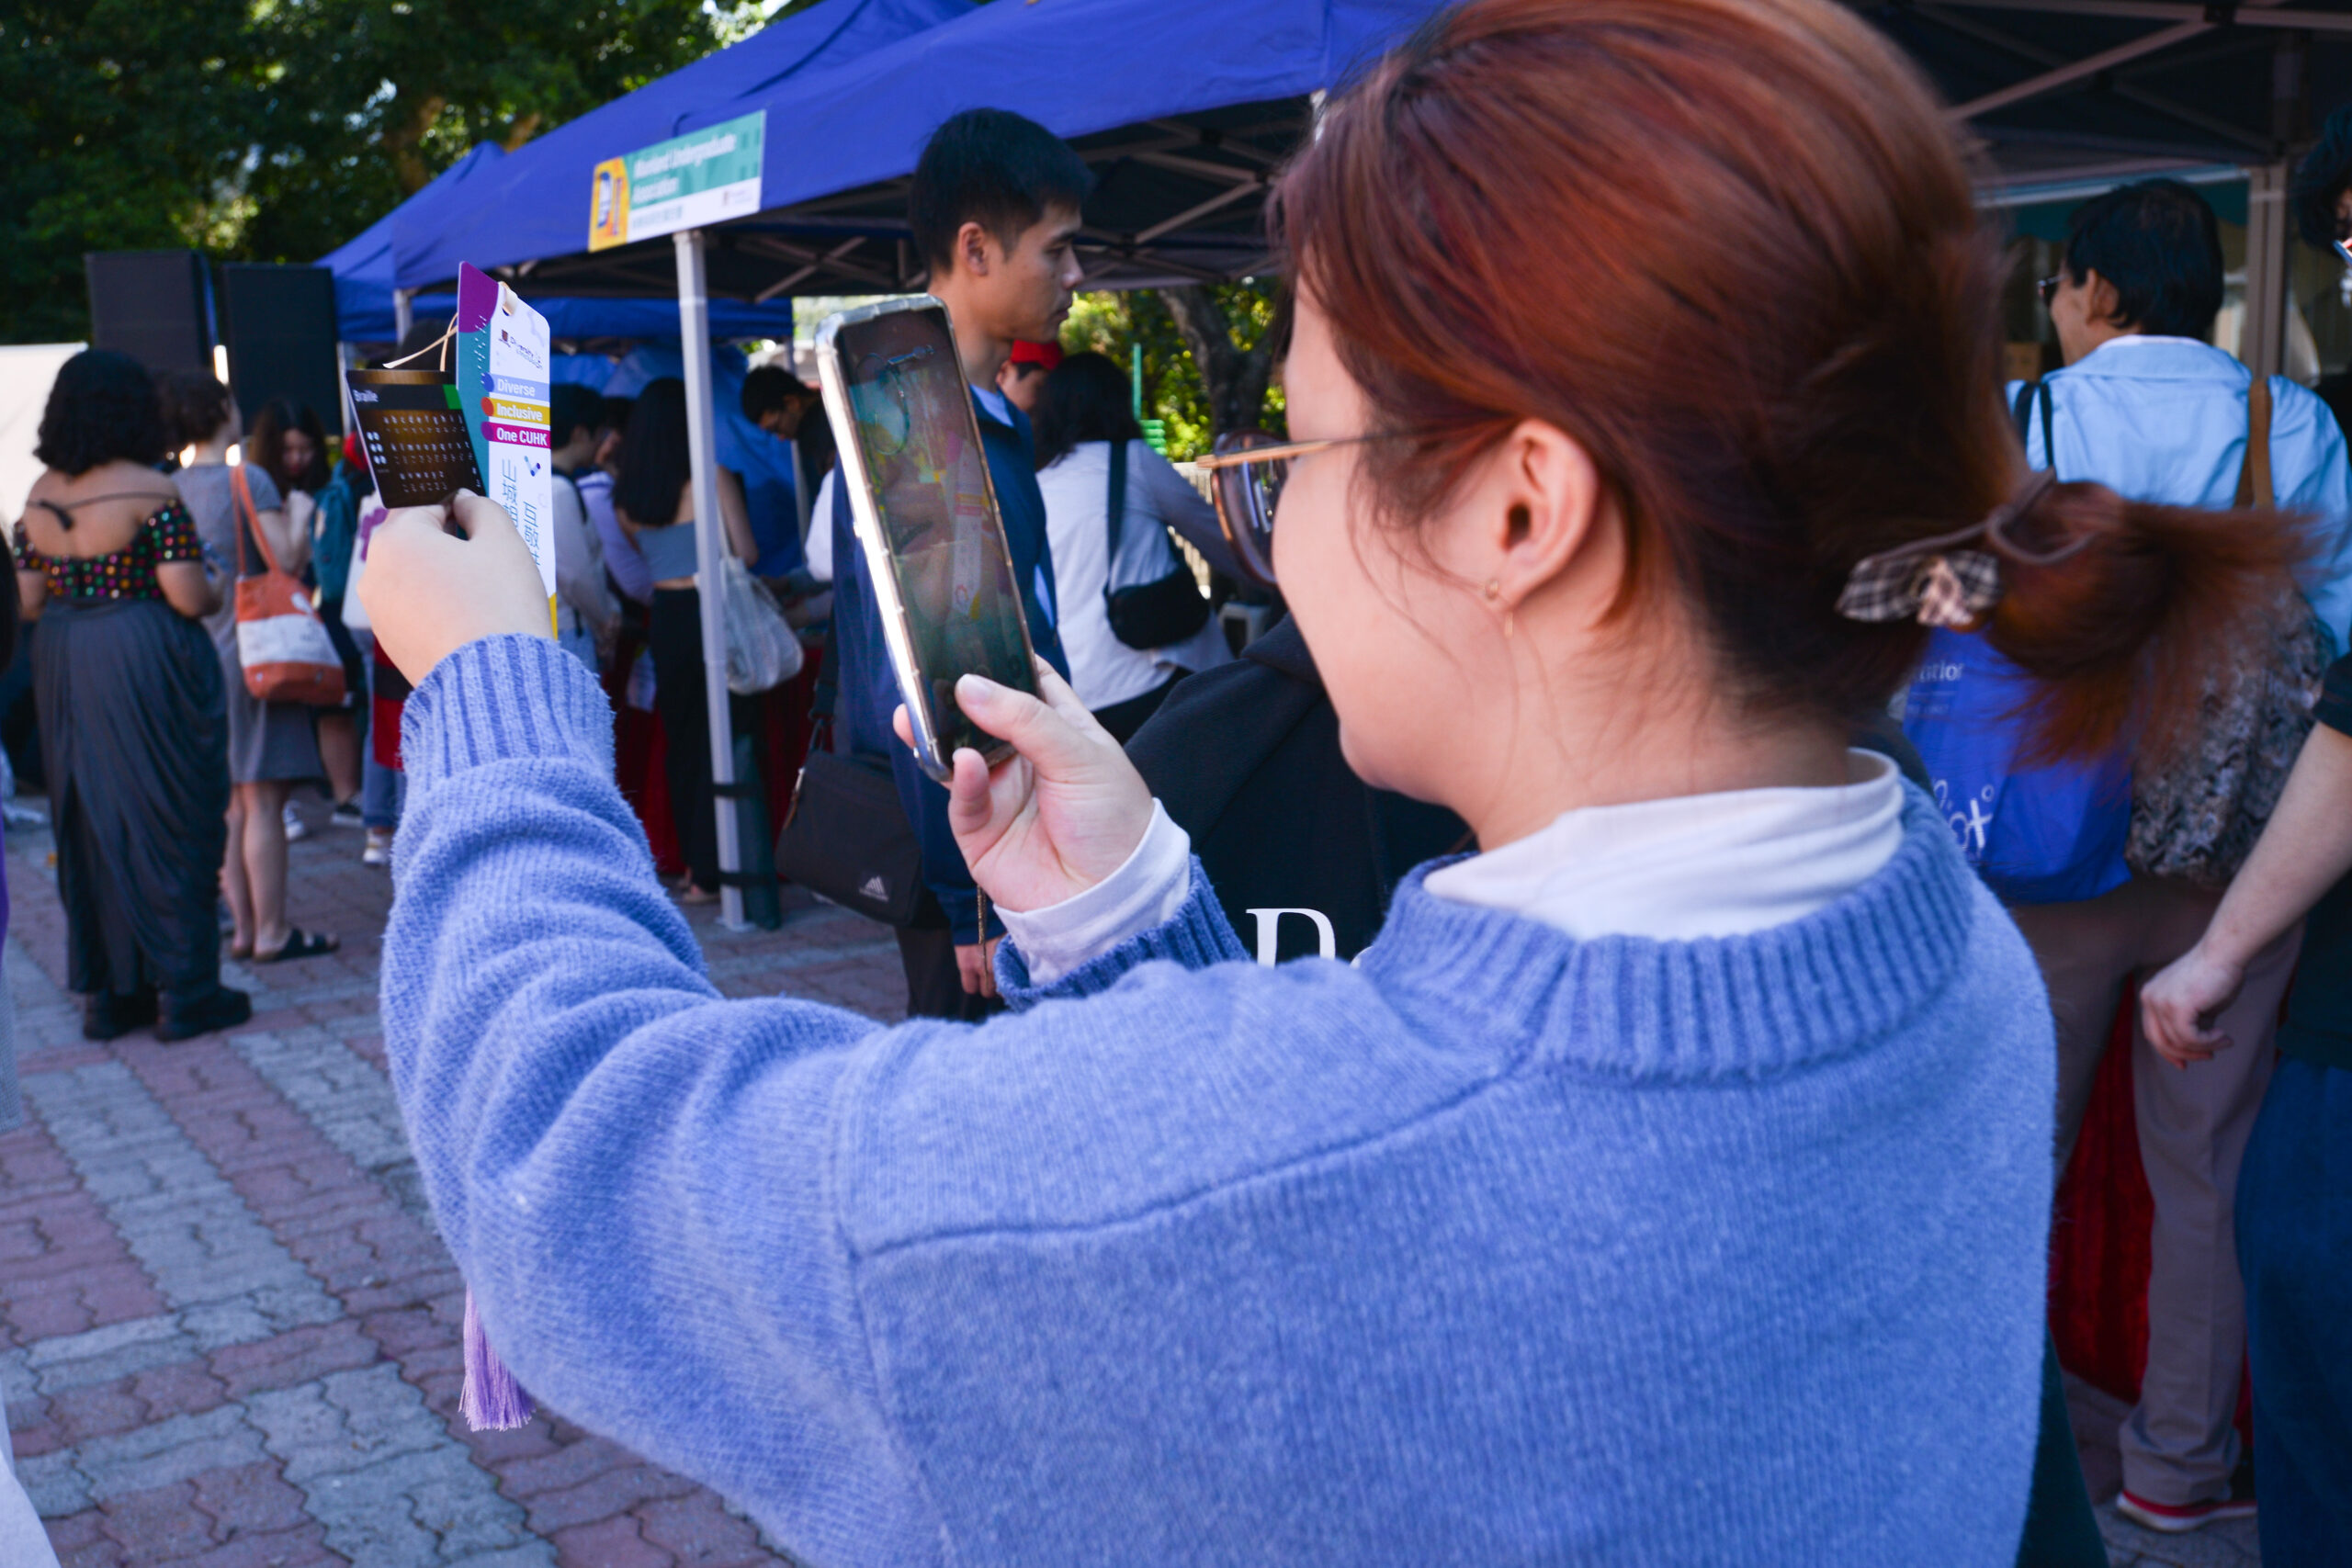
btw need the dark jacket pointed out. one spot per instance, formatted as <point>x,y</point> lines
<point>868,691</point>
<point>1246,757</point>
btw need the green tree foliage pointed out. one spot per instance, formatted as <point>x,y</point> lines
<point>115,125</point>
<point>1195,409</point>
<point>275,130</point>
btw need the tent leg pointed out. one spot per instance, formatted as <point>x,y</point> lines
<point>2262,340</point>
<point>404,313</point>
<point>710,549</point>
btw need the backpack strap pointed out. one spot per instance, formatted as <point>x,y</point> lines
<point>2031,393</point>
<point>1116,506</point>
<point>2253,475</point>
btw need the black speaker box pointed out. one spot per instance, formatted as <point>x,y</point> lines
<point>150,305</point>
<point>281,331</point>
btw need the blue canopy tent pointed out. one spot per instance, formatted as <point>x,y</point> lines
<point>366,310</point>
<point>534,201</point>
<point>1184,111</point>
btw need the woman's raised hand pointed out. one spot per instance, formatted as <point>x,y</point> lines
<point>429,592</point>
<point>1058,816</point>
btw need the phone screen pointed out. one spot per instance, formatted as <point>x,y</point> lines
<point>419,450</point>
<point>914,428</point>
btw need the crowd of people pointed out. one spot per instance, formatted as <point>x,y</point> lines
<point>1737,757</point>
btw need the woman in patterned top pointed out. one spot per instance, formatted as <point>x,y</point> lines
<point>133,732</point>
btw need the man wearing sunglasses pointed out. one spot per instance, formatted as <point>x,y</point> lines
<point>2149,407</point>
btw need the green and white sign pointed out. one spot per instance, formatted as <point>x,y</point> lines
<point>684,183</point>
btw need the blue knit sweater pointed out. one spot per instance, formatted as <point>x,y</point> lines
<point>1502,1248</point>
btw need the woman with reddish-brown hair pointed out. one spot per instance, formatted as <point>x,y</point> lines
<point>1670,1181</point>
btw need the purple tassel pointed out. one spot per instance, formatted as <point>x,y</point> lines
<point>493,1400</point>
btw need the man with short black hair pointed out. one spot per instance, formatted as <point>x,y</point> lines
<point>776,401</point>
<point>2148,407</point>
<point>995,212</point>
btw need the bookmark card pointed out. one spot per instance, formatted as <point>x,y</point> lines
<point>501,386</point>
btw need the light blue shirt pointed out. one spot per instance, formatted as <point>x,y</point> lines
<point>2163,420</point>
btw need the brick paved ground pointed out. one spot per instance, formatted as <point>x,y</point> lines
<point>231,1336</point>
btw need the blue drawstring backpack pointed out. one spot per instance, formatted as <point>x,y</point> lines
<point>2041,835</point>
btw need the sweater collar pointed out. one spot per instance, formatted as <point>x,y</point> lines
<point>1718,1007</point>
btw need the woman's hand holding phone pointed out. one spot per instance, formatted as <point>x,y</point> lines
<point>429,591</point>
<point>1061,814</point>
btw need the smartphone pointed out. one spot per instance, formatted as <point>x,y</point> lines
<point>926,516</point>
<point>419,451</point>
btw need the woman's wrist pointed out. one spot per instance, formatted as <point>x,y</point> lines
<point>1146,890</point>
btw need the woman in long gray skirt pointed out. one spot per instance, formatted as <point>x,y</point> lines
<point>134,736</point>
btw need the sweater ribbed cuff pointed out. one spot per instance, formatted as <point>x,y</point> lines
<point>1196,937</point>
<point>501,698</point>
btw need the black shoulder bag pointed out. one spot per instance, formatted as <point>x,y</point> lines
<point>1149,615</point>
<point>847,839</point>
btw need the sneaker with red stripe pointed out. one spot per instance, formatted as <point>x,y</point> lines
<point>2174,1519</point>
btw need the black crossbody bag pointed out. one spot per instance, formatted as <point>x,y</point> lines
<point>1150,614</point>
<point>847,838</point>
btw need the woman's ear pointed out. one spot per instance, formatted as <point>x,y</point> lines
<point>1541,505</point>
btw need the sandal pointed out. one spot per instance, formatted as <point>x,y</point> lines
<point>299,944</point>
<point>691,894</point>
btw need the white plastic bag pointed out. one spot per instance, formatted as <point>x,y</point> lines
<point>761,650</point>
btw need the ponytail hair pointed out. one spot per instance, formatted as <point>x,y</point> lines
<point>2152,611</point>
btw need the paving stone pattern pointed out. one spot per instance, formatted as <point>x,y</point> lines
<point>228,1335</point>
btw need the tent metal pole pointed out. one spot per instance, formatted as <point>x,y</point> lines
<point>2261,335</point>
<point>403,312</point>
<point>710,550</point>
<point>2106,60</point>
